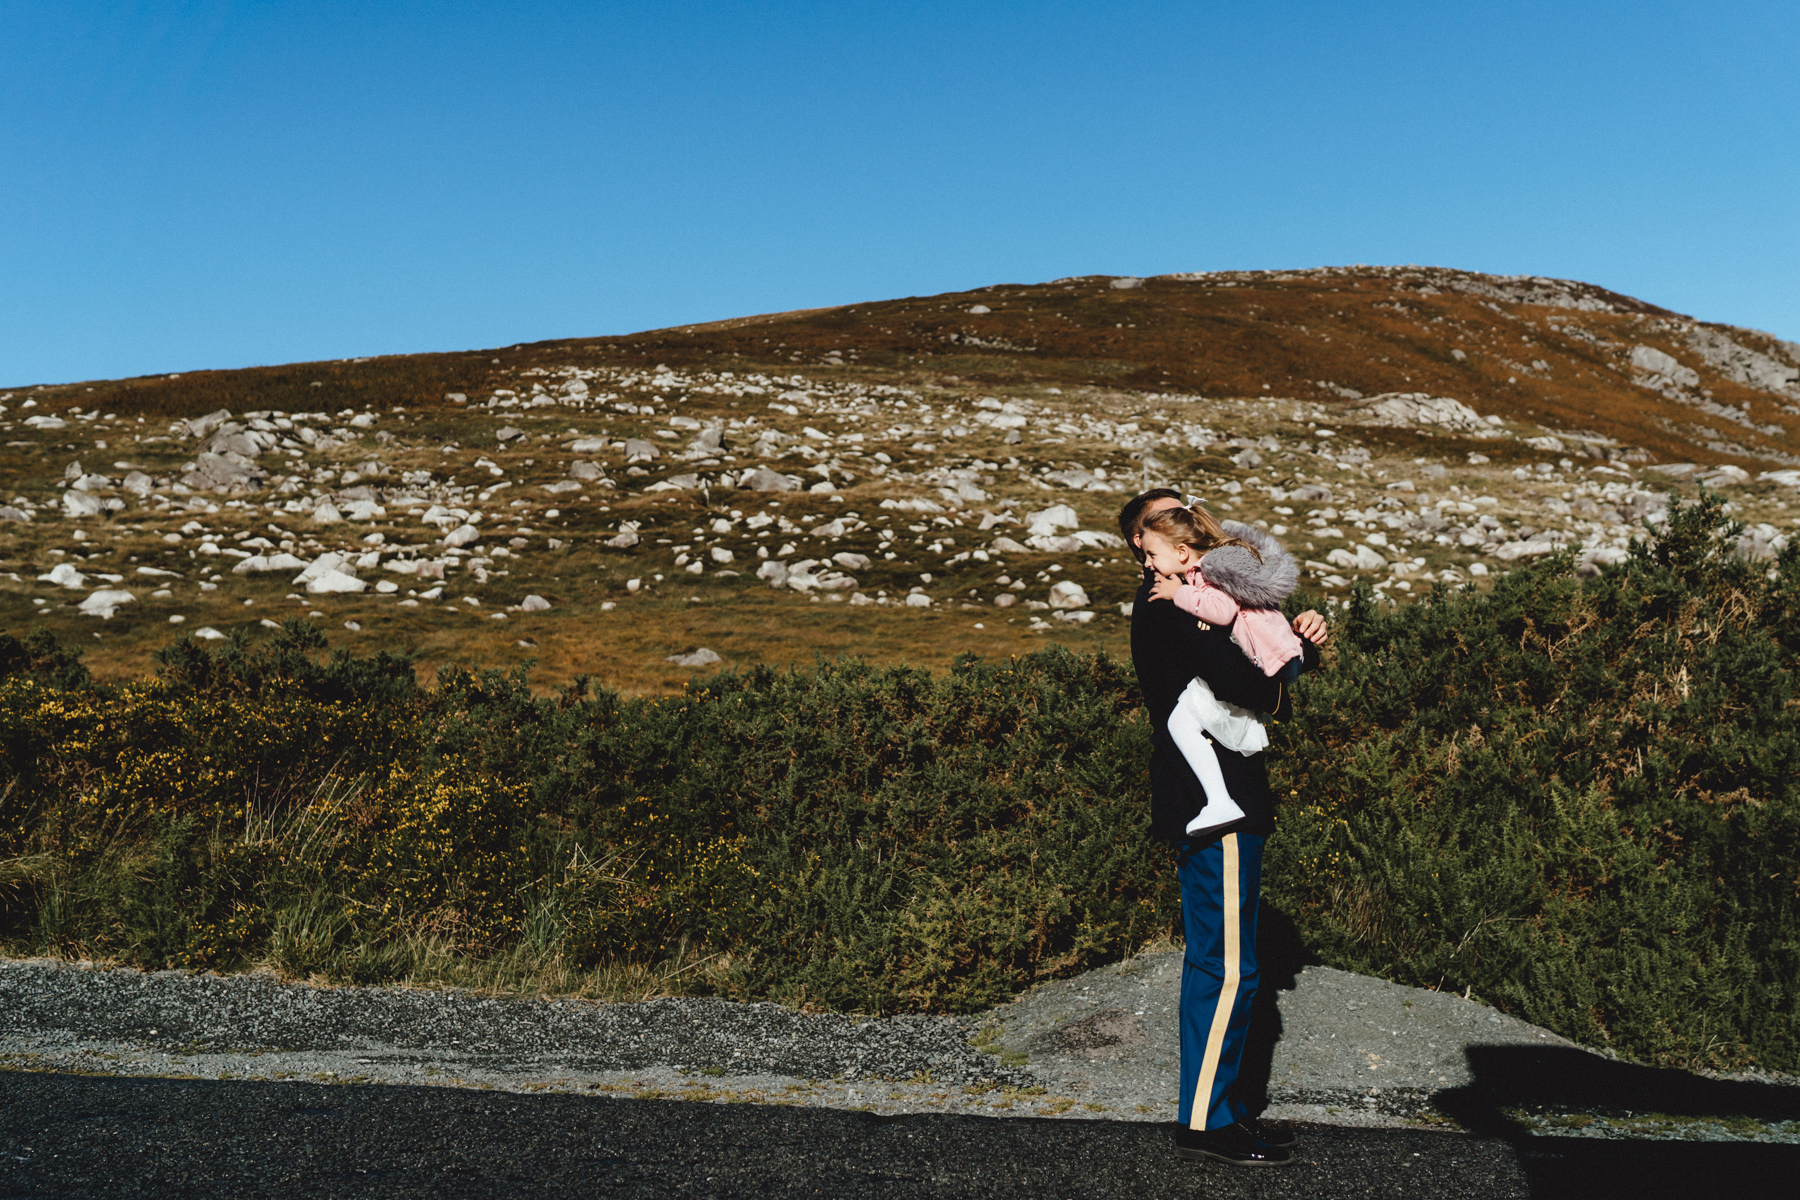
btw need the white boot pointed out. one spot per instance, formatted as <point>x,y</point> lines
<point>1219,810</point>
<point>1185,731</point>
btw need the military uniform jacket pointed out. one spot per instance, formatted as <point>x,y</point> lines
<point>1168,648</point>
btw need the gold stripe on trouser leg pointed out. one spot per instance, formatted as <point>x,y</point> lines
<point>1215,1038</point>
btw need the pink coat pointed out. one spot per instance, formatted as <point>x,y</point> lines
<point>1263,634</point>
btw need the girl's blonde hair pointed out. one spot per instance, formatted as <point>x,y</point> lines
<point>1193,527</point>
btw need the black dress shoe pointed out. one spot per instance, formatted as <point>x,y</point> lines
<point>1268,1135</point>
<point>1230,1144</point>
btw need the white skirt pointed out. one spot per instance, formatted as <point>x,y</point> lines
<point>1230,726</point>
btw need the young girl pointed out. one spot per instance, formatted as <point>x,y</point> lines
<point>1234,577</point>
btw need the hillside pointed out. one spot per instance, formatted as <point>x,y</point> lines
<point>906,480</point>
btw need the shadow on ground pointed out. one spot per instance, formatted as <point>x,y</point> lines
<point>71,1136</point>
<point>1562,1080</point>
<point>1565,1078</point>
<point>1281,954</point>
<point>75,1136</point>
<point>1559,1079</point>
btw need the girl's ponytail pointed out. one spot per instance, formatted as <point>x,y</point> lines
<point>1194,527</point>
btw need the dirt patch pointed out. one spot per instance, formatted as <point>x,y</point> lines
<point>1104,1036</point>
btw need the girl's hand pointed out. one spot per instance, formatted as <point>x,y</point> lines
<point>1165,588</point>
<point>1311,626</point>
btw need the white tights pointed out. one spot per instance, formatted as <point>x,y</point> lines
<point>1196,714</point>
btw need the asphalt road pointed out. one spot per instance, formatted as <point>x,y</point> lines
<point>72,1135</point>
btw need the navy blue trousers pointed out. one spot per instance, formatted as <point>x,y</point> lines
<point>1221,887</point>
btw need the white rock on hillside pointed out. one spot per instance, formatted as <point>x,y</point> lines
<point>80,504</point>
<point>1659,365</point>
<point>1761,542</point>
<point>801,577</point>
<point>764,480</point>
<point>1535,545</point>
<point>1592,562</point>
<point>105,602</point>
<point>1747,366</point>
<point>1073,543</point>
<point>675,483</point>
<point>1049,520</point>
<point>699,658</point>
<point>330,560</point>
<point>233,439</point>
<point>462,535</point>
<point>260,562</point>
<point>424,568</point>
<point>1080,481</point>
<point>1362,558</point>
<point>228,472</point>
<point>64,575</point>
<point>335,581</point>
<point>327,514</point>
<point>201,426</point>
<point>1723,475</point>
<point>1422,408</point>
<point>709,443</point>
<point>533,604</point>
<point>1068,594</point>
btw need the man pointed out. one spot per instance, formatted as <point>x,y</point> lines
<point>1221,875</point>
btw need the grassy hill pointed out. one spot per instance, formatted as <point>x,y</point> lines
<point>910,434</point>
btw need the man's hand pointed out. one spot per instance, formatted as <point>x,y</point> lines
<point>1311,626</point>
<point>1165,588</point>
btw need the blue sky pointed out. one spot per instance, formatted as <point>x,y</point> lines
<point>209,184</point>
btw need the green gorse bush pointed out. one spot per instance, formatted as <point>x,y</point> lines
<point>1570,797</point>
<point>1573,796</point>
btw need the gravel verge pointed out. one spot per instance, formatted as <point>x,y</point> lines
<point>1333,1048</point>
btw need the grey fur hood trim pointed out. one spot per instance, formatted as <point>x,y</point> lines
<point>1235,571</point>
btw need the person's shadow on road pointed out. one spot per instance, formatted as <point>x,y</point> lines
<point>1581,1089</point>
<point>1281,955</point>
<point>1519,1079</point>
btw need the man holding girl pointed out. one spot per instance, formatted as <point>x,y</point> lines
<point>1220,864</point>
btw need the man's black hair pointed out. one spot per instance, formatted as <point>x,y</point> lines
<point>1134,509</point>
